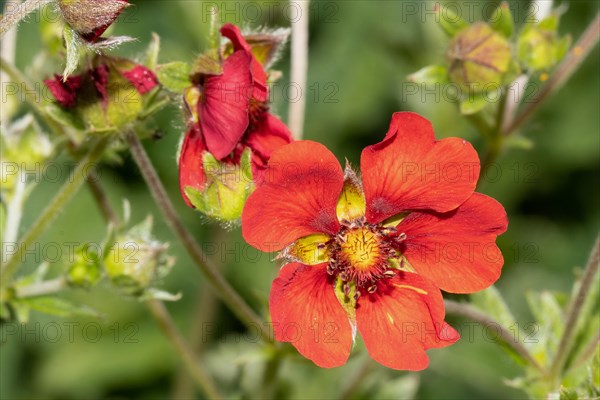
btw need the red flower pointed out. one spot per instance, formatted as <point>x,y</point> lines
<point>66,92</point>
<point>232,115</point>
<point>372,255</point>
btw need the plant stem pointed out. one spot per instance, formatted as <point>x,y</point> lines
<point>566,341</point>
<point>299,68</point>
<point>14,210</point>
<point>66,192</point>
<point>227,293</point>
<point>470,312</point>
<point>563,72</point>
<point>200,376</point>
<point>16,14</point>
<point>41,288</point>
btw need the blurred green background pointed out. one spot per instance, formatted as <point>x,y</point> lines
<point>360,55</point>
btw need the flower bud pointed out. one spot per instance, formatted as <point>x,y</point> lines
<point>136,261</point>
<point>84,272</point>
<point>90,18</point>
<point>479,57</point>
<point>539,47</point>
<point>226,189</point>
<point>107,96</point>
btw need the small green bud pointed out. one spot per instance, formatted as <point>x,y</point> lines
<point>85,270</point>
<point>136,261</point>
<point>226,190</point>
<point>539,47</point>
<point>479,57</point>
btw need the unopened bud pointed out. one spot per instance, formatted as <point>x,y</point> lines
<point>136,260</point>
<point>479,57</point>
<point>85,270</point>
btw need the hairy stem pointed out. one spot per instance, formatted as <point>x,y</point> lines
<point>227,293</point>
<point>587,353</point>
<point>574,311</point>
<point>299,68</point>
<point>470,312</point>
<point>64,195</point>
<point>17,13</point>
<point>200,376</point>
<point>563,72</point>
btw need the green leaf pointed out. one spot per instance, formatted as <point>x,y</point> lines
<point>449,20</point>
<point>57,306</point>
<point>473,104</point>
<point>74,50</point>
<point>430,75</point>
<point>175,76</point>
<point>550,23</point>
<point>491,302</point>
<point>561,47</point>
<point>502,20</point>
<point>550,325</point>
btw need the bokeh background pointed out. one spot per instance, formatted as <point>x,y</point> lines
<point>360,55</point>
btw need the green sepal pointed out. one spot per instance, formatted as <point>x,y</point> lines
<point>74,47</point>
<point>226,190</point>
<point>502,20</point>
<point>473,103</point>
<point>174,76</point>
<point>430,75</point>
<point>449,20</point>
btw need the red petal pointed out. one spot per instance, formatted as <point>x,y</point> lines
<point>457,250</point>
<point>410,170</point>
<point>65,93</point>
<point>191,170</point>
<point>232,32</point>
<point>402,319</point>
<point>299,195</point>
<point>142,78</point>
<point>99,76</point>
<point>306,313</point>
<point>266,135</point>
<point>223,113</point>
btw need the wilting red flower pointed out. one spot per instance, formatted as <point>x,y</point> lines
<point>231,114</point>
<point>372,256</point>
<point>66,91</point>
<point>90,18</point>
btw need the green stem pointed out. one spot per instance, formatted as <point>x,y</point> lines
<point>563,72</point>
<point>43,288</point>
<point>269,380</point>
<point>15,15</point>
<point>66,192</point>
<point>14,210</point>
<point>470,312</point>
<point>574,311</point>
<point>200,376</point>
<point>225,291</point>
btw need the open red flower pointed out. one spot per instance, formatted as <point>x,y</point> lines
<point>230,113</point>
<point>372,256</point>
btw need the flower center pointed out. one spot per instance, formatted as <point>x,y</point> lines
<point>360,254</point>
<point>361,248</point>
